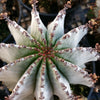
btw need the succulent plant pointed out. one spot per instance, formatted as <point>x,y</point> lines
<point>96,11</point>
<point>45,61</point>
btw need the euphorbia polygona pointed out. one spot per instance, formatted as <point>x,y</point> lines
<point>45,61</point>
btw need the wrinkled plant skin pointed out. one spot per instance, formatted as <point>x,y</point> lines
<point>45,61</point>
